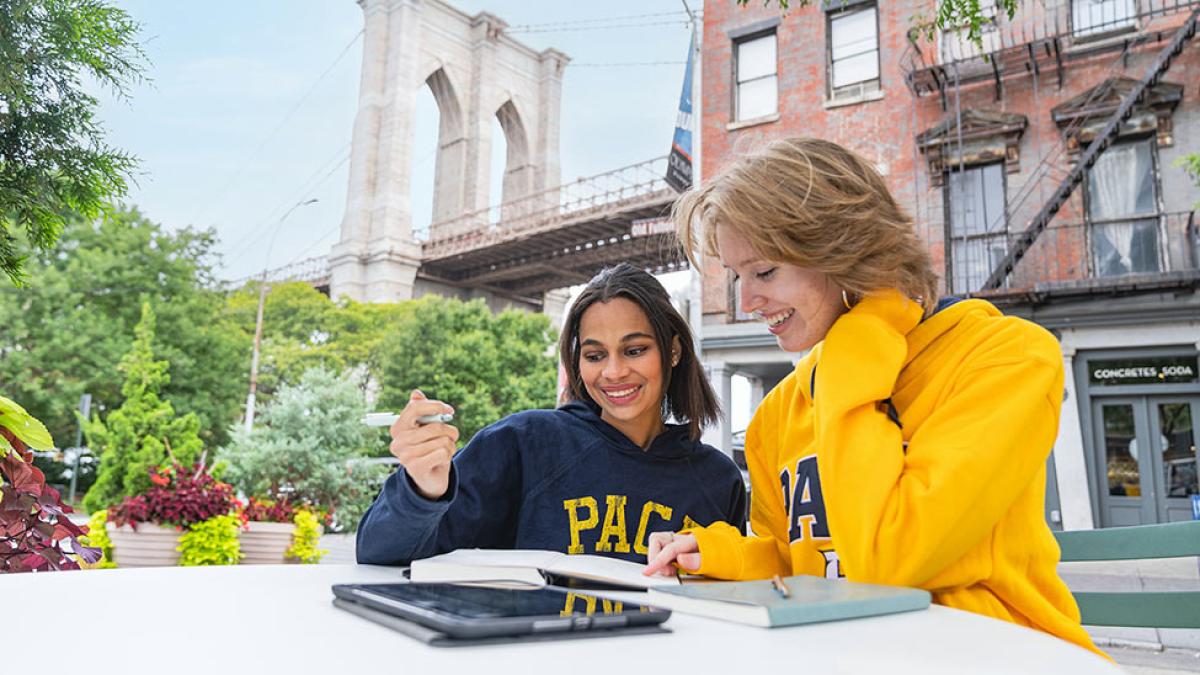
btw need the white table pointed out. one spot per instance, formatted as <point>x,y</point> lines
<point>278,619</point>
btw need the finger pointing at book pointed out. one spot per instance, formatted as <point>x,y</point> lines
<point>424,450</point>
<point>666,548</point>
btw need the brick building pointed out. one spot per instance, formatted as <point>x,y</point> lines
<point>1039,167</point>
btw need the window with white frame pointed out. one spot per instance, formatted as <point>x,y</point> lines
<point>853,51</point>
<point>1093,17</point>
<point>977,224</point>
<point>1122,197</point>
<point>756,86</point>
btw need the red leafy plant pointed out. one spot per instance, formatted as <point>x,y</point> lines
<point>278,511</point>
<point>180,496</point>
<point>33,519</point>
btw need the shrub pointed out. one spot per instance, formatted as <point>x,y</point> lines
<point>138,437</point>
<point>304,451</point>
<point>305,539</point>
<point>211,542</point>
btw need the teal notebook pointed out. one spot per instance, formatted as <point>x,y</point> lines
<point>812,600</point>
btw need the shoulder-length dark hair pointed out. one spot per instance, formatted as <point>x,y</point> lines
<point>689,398</point>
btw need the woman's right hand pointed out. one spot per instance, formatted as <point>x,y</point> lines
<point>424,450</point>
<point>666,548</point>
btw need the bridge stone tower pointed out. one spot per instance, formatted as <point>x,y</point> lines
<point>475,72</point>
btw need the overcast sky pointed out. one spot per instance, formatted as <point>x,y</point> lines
<point>250,104</point>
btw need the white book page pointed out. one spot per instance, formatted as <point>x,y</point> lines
<point>483,557</point>
<point>609,569</point>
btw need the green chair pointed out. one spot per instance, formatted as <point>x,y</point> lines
<point>1172,609</point>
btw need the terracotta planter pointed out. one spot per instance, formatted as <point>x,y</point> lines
<point>264,543</point>
<point>149,546</point>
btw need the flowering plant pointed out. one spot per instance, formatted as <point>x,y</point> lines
<point>280,511</point>
<point>179,496</point>
<point>33,519</point>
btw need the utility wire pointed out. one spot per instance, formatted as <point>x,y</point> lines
<point>529,27</point>
<point>675,22</point>
<point>626,64</point>
<point>306,187</point>
<point>253,154</point>
<point>259,231</point>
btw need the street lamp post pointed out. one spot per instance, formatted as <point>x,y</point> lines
<point>258,323</point>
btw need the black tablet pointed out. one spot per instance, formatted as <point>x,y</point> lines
<point>474,612</point>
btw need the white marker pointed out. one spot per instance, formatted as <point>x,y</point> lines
<point>385,419</point>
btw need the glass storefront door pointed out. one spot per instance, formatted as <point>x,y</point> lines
<point>1148,463</point>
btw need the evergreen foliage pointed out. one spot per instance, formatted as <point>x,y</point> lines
<point>133,440</point>
<point>53,158</point>
<point>305,447</point>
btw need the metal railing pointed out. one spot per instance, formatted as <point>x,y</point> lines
<point>1038,35</point>
<point>548,209</point>
<point>313,270</point>
<point>1162,249</point>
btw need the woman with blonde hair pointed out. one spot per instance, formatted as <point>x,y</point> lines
<point>909,445</point>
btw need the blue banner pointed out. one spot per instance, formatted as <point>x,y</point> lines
<point>679,162</point>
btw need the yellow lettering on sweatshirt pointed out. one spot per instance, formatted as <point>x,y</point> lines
<point>639,541</point>
<point>572,507</point>
<point>589,604</point>
<point>614,525</point>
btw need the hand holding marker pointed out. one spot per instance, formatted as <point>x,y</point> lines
<point>422,441</point>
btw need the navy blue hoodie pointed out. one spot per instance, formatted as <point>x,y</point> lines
<point>560,480</point>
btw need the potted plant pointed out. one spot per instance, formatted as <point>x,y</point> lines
<point>145,529</point>
<point>278,532</point>
<point>35,533</point>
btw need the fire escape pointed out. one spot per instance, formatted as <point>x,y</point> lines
<point>1045,42</point>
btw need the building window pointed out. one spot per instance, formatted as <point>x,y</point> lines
<point>756,87</point>
<point>853,52</point>
<point>1093,17</point>
<point>1123,210</point>
<point>978,225</point>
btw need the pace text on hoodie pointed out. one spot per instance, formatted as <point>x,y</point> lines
<point>945,493</point>
<point>560,480</point>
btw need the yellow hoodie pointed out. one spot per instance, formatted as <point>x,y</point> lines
<point>942,490</point>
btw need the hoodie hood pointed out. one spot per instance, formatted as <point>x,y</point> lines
<point>949,314</point>
<point>673,442</point>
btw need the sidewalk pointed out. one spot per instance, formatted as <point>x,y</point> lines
<point>1140,651</point>
<point>1146,651</point>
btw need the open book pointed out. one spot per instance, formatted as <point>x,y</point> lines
<point>533,568</point>
<point>811,600</point>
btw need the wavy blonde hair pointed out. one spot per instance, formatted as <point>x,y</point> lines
<point>817,205</point>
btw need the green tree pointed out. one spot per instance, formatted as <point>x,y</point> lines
<point>136,437</point>
<point>53,158</point>
<point>303,329</point>
<point>485,365</point>
<point>306,447</point>
<point>64,334</point>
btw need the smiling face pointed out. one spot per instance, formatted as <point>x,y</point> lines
<point>620,365</point>
<point>798,305</point>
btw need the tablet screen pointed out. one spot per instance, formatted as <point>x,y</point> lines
<point>491,603</point>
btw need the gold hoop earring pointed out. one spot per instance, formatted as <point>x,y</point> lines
<point>846,300</point>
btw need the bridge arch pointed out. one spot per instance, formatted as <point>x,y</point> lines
<point>477,73</point>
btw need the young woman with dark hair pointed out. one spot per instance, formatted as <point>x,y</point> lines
<point>597,475</point>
